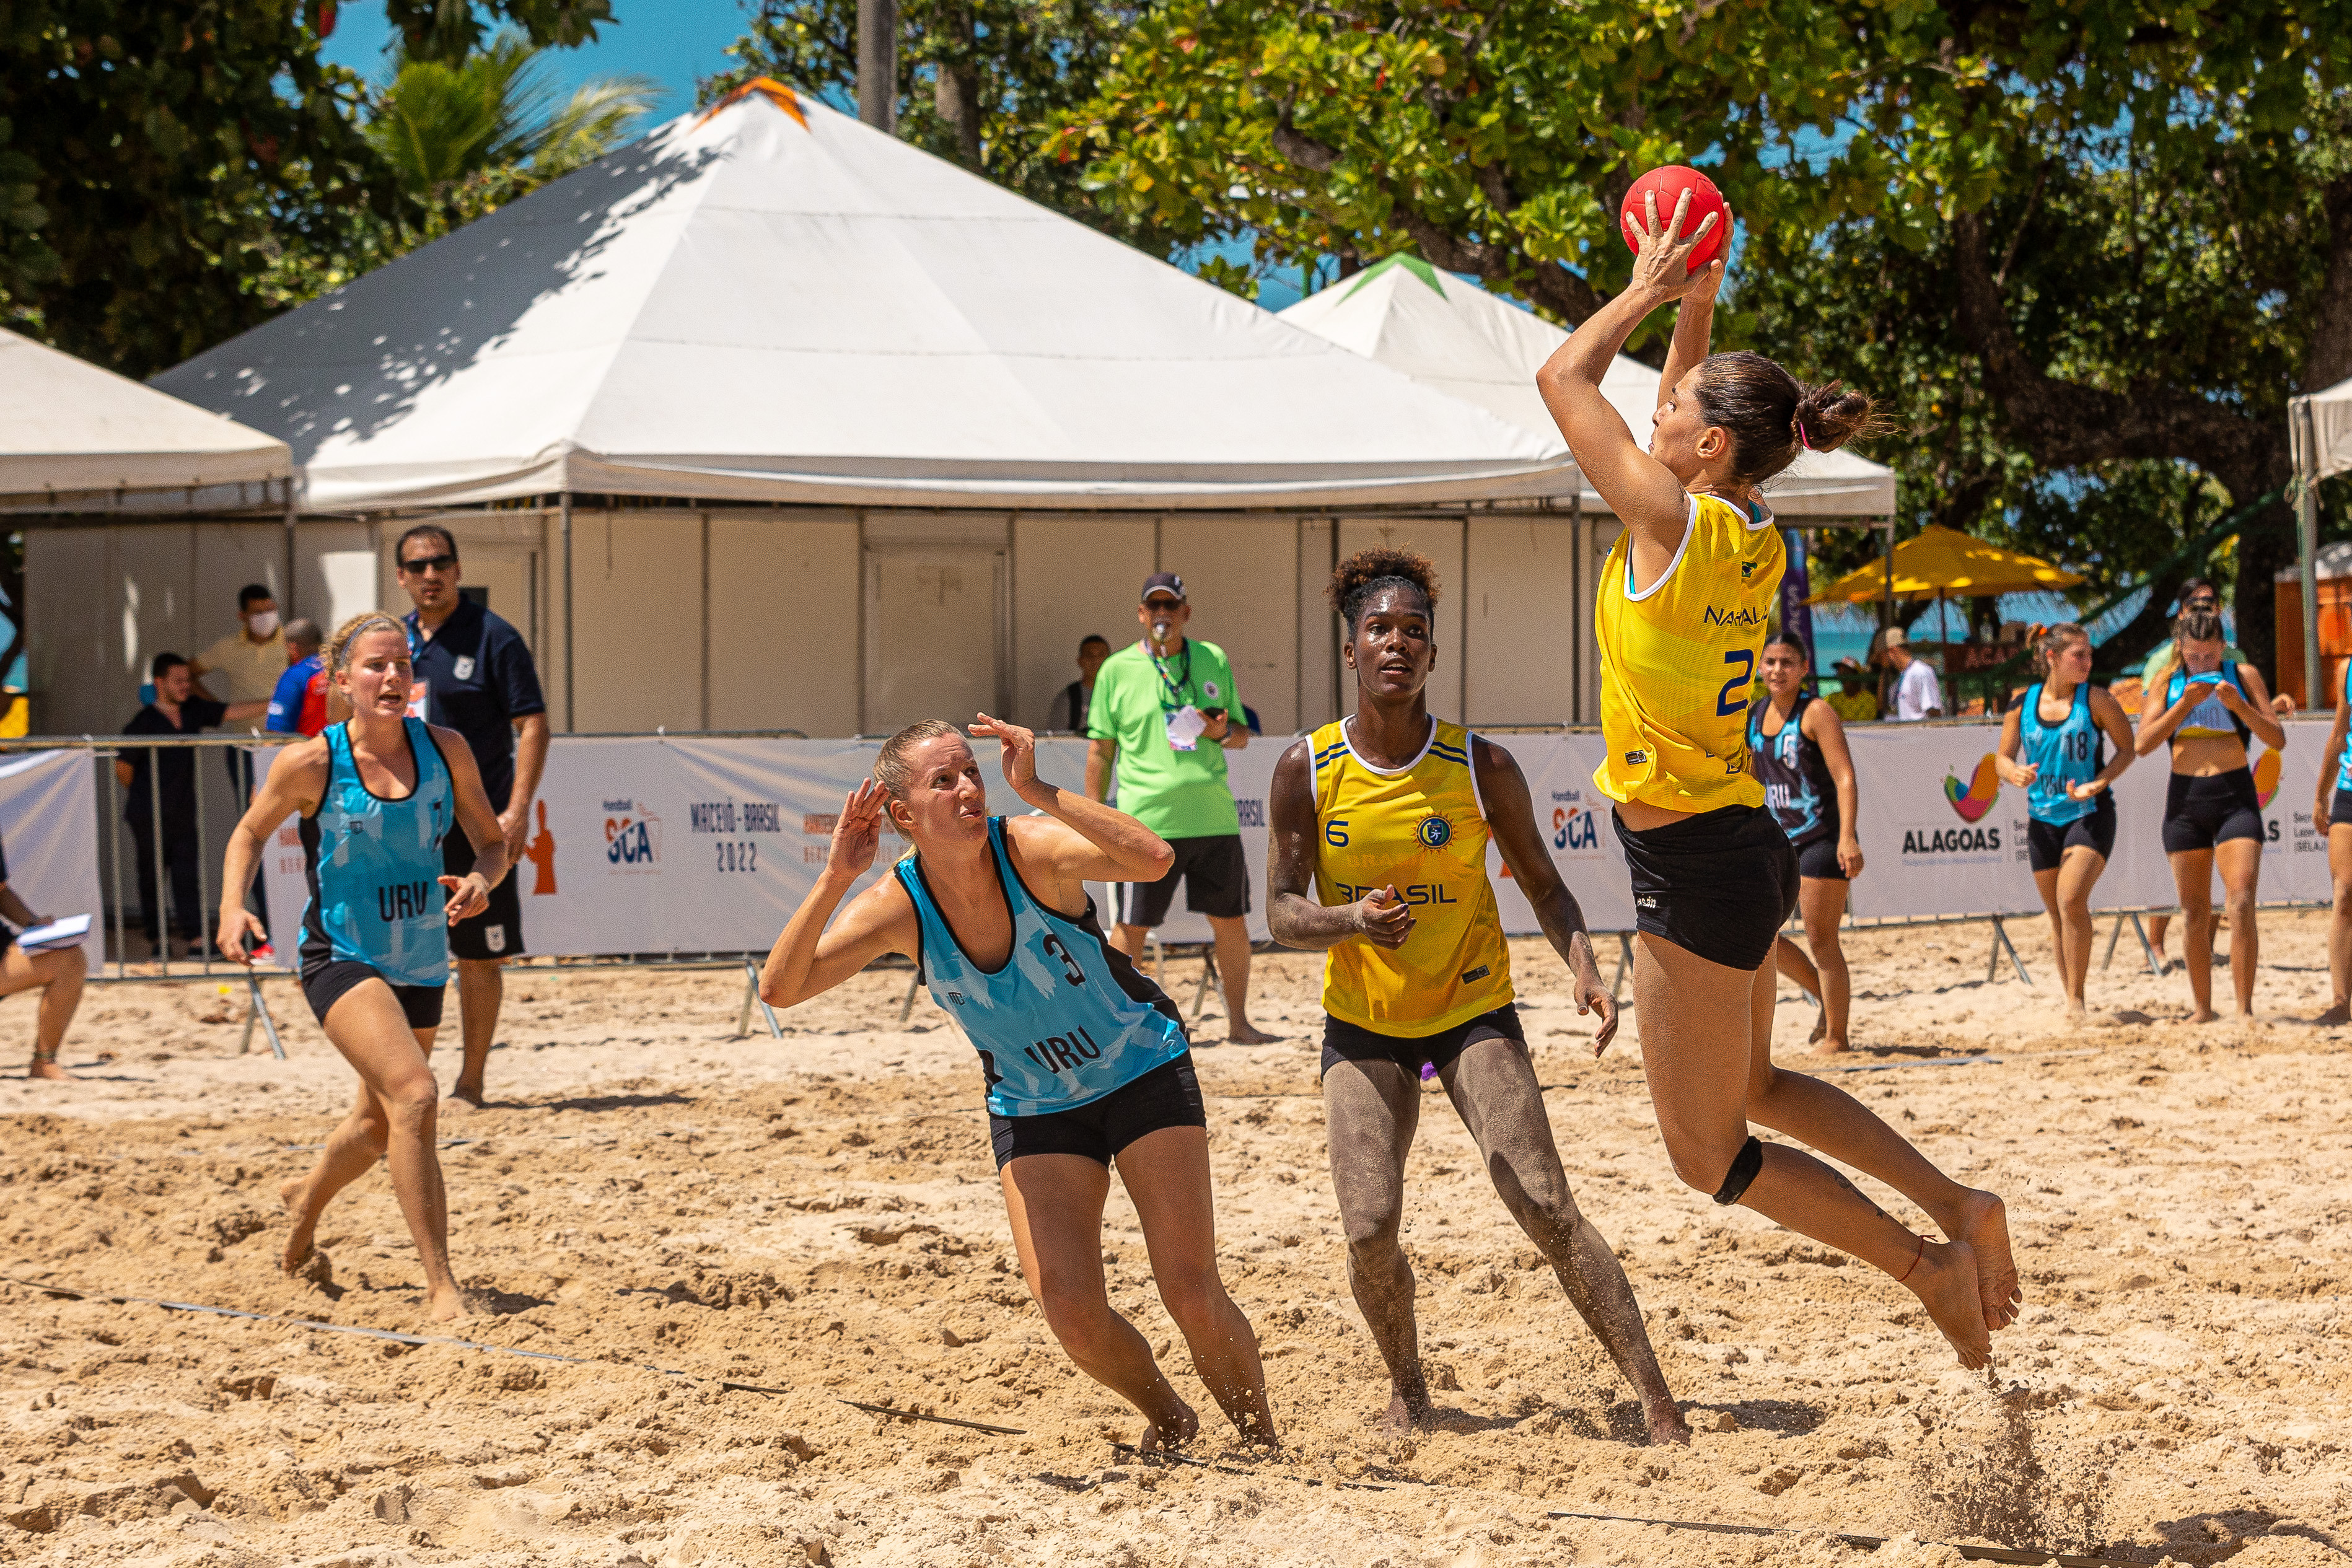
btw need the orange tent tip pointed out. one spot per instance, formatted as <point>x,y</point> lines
<point>769,88</point>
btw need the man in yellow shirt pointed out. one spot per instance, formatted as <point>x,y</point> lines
<point>243,666</point>
<point>1851,702</point>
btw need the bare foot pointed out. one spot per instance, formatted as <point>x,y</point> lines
<point>46,1067</point>
<point>1946,1285</point>
<point>297,1240</point>
<point>1828,1047</point>
<point>2204,1015</point>
<point>1982,1222</point>
<point>461,1100</point>
<point>2335,1016</point>
<point>1405,1415</point>
<point>1171,1431</point>
<point>1820,1027</point>
<point>2076,1013</point>
<point>447,1306</point>
<point>1244,1033</point>
<point>1667,1426</point>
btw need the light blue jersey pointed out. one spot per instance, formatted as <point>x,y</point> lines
<point>1067,1019</point>
<point>2064,754</point>
<point>2208,717</point>
<point>2344,768</point>
<point>374,866</point>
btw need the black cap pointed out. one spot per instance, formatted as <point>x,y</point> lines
<point>1163,582</point>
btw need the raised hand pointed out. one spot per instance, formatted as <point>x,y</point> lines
<point>857,832</point>
<point>468,897</point>
<point>1662,260</point>
<point>1382,918</point>
<point>1019,749</point>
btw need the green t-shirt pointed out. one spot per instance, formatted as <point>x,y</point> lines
<point>1176,794</point>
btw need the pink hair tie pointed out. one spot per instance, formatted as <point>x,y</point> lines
<point>1802,439</point>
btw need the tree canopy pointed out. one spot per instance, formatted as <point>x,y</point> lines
<point>160,165</point>
<point>2085,253</point>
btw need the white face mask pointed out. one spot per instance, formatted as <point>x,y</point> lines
<point>263,624</point>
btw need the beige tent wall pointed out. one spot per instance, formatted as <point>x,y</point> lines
<point>1600,537</point>
<point>1072,577</point>
<point>637,643</point>
<point>336,573</point>
<point>1441,539</point>
<point>1520,612</point>
<point>1241,575</point>
<point>1318,633</point>
<point>783,643</point>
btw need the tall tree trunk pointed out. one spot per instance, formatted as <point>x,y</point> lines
<point>956,93</point>
<point>877,64</point>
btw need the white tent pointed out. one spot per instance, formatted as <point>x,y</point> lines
<point>2325,444</point>
<point>1459,339</point>
<point>773,303</point>
<point>73,436</point>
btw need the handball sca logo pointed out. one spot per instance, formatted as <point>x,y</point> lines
<point>1983,789</point>
<point>633,836</point>
<point>1573,825</point>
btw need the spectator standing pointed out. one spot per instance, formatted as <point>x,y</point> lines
<point>297,705</point>
<point>163,785</point>
<point>475,675</point>
<point>1917,693</point>
<point>1071,703</point>
<point>243,667</point>
<point>1851,702</point>
<point>58,971</point>
<point>1165,712</point>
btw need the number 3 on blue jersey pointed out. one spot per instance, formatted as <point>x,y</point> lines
<point>1746,659</point>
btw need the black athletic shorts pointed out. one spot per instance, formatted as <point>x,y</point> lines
<point>2046,843</point>
<point>1167,1096</point>
<point>497,931</point>
<point>1345,1042</point>
<point>324,983</point>
<point>2340,809</point>
<point>1819,860</point>
<point>1720,885</point>
<point>2201,813</point>
<point>1215,874</point>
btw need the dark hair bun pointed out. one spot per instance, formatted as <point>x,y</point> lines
<point>1828,417</point>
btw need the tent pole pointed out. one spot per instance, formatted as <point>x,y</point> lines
<point>2303,439</point>
<point>292,608</point>
<point>569,707</point>
<point>1887,615</point>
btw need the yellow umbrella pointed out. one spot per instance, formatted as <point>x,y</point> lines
<point>1944,563</point>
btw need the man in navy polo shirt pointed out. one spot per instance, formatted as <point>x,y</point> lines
<point>475,675</point>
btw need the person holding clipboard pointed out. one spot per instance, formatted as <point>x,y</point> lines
<point>45,953</point>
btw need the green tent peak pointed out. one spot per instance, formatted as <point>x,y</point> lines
<point>1412,264</point>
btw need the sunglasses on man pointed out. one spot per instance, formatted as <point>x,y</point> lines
<point>419,564</point>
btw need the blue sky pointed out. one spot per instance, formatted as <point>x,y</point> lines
<point>672,41</point>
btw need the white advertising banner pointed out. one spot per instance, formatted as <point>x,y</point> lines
<point>49,831</point>
<point>687,845</point>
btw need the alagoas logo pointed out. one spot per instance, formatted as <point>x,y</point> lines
<point>633,837</point>
<point>2266,777</point>
<point>1983,789</point>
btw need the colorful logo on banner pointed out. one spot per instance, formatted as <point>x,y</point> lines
<point>1573,824</point>
<point>541,852</point>
<point>632,837</point>
<point>1983,789</point>
<point>2266,777</point>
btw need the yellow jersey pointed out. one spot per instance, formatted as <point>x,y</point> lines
<point>1677,660</point>
<point>1424,829</point>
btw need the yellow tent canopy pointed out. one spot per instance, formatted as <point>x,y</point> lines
<point>1944,563</point>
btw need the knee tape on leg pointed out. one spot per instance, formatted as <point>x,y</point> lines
<point>1744,1166</point>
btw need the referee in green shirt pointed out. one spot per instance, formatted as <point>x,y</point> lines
<point>1165,711</point>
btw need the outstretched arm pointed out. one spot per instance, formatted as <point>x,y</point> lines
<point>1642,491</point>
<point>471,895</point>
<point>1511,819</point>
<point>809,959</point>
<point>1292,915</point>
<point>2015,774</point>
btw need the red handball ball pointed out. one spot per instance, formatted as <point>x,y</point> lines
<point>1668,184</point>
